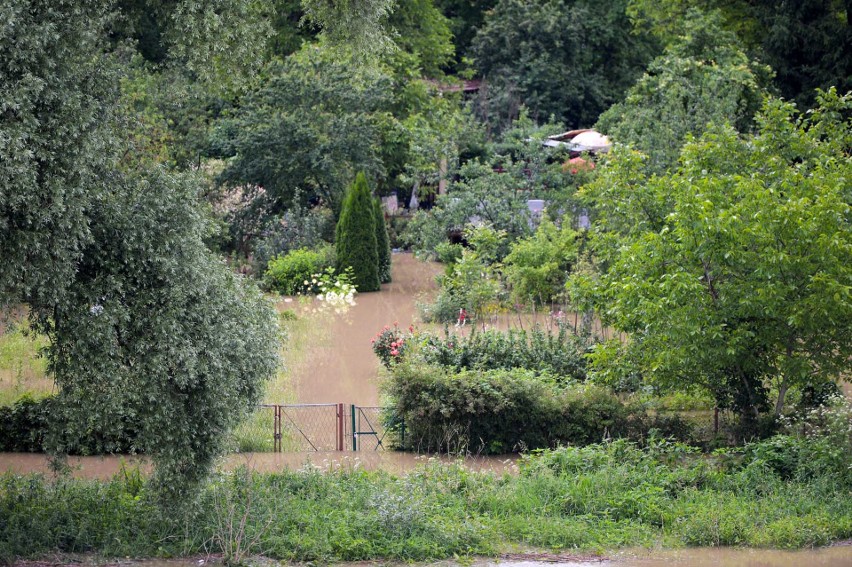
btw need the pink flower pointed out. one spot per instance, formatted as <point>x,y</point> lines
<point>394,345</point>
<point>395,352</point>
<point>372,341</point>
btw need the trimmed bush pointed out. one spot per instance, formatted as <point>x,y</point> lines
<point>382,243</point>
<point>356,237</point>
<point>287,274</point>
<point>498,411</point>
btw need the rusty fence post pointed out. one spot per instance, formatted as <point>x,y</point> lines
<point>340,418</point>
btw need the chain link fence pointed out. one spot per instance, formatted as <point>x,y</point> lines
<point>319,427</point>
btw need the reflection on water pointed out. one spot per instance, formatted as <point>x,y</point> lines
<point>106,467</point>
<point>838,556</point>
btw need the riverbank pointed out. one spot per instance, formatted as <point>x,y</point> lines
<point>581,500</point>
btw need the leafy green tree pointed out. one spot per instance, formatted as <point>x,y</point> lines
<point>465,18</point>
<point>537,267</point>
<point>570,59</point>
<point>703,77</point>
<point>732,272</point>
<point>382,242</point>
<point>157,331</point>
<point>419,28</point>
<point>357,25</point>
<point>807,43</point>
<point>355,238</point>
<point>58,94</point>
<point>314,122</point>
<point>221,43</point>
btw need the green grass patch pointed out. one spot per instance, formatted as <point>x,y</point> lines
<point>22,370</point>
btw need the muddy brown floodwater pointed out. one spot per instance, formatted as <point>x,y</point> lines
<point>343,368</point>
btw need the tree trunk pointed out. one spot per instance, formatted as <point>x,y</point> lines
<point>782,393</point>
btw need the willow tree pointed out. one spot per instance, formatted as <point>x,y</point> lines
<point>145,325</point>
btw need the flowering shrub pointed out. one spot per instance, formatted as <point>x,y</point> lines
<point>335,290</point>
<point>389,344</point>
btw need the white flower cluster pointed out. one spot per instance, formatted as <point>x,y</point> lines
<point>338,296</point>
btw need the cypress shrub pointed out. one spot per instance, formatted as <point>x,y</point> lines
<point>382,243</point>
<point>356,237</point>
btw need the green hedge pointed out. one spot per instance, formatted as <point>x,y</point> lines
<point>25,425</point>
<point>500,411</point>
<point>560,352</point>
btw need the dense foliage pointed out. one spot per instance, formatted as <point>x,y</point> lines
<point>558,353</point>
<point>26,425</point>
<point>291,273</point>
<point>807,42</point>
<point>703,77</point>
<point>565,58</point>
<point>382,242</point>
<point>58,96</point>
<point>355,239</point>
<point>144,324</point>
<point>732,271</point>
<point>499,411</point>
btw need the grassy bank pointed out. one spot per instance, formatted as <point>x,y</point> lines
<point>774,494</point>
<point>22,370</point>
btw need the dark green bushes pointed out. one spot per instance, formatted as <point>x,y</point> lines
<point>25,425</point>
<point>560,353</point>
<point>287,274</point>
<point>498,411</point>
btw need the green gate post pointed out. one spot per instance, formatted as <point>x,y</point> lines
<point>354,431</point>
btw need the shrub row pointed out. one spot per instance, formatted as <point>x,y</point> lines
<point>560,353</point>
<point>25,425</point>
<point>505,410</point>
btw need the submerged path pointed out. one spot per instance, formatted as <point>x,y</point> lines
<point>343,368</point>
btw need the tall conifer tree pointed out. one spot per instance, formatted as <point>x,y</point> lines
<point>382,243</point>
<point>356,236</point>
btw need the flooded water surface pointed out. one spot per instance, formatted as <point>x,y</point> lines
<point>343,367</point>
<point>394,462</point>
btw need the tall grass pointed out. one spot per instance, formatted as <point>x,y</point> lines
<point>299,336</point>
<point>22,370</point>
<point>595,498</point>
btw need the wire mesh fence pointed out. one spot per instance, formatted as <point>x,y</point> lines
<point>257,433</point>
<point>375,428</point>
<point>319,427</point>
<point>310,427</point>
<point>347,427</point>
